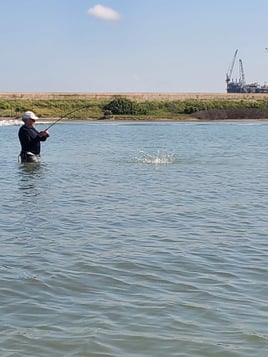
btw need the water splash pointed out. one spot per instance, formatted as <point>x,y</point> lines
<point>160,158</point>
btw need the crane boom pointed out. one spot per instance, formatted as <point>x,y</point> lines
<point>241,73</point>
<point>230,70</point>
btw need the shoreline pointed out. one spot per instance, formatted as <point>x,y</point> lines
<point>148,106</point>
<point>18,121</point>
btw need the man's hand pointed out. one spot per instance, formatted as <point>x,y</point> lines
<point>43,134</point>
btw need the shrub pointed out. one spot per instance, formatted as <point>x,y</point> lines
<point>124,106</point>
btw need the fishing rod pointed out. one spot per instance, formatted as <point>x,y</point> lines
<point>64,116</point>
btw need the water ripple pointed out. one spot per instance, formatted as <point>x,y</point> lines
<point>102,256</point>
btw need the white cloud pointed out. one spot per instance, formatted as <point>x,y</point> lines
<point>103,12</point>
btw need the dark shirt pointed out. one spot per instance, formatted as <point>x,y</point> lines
<point>29,140</point>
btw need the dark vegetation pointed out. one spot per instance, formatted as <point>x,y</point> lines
<point>232,113</point>
<point>123,108</point>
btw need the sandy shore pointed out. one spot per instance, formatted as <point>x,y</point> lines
<point>139,96</point>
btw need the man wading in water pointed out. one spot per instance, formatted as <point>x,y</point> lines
<point>30,138</point>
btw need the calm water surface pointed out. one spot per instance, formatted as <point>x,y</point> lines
<point>136,239</point>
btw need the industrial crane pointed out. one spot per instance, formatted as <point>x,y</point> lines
<point>240,85</point>
<point>230,70</point>
<point>242,80</point>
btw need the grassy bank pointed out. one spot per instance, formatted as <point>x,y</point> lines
<point>120,106</point>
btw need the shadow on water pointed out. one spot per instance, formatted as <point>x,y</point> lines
<point>30,167</point>
<point>29,175</point>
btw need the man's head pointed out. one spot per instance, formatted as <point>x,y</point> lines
<point>29,116</point>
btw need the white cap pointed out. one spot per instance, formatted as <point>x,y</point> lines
<point>29,115</point>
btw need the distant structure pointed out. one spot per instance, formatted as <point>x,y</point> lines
<point>239,85</point>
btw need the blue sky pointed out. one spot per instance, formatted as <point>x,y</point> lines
<point>130,45</point>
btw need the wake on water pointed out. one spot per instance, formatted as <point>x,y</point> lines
<point>160,158</point>
<point>8,122</point>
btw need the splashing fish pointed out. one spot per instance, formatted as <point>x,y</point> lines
<point>158,159</point>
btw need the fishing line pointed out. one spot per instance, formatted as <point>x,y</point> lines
<point>64,116</point>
